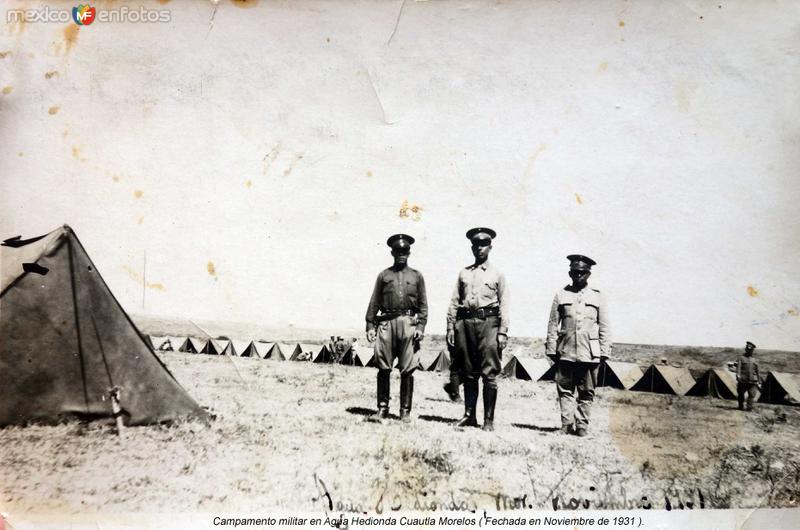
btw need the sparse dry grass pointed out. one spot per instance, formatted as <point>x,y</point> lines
<point>287,433</point>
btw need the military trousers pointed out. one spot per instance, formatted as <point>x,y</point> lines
<point>748,390</point>
<point>455,366</point>
<point>476,350</point>
<point>395,340</point>
<point>572,376</point>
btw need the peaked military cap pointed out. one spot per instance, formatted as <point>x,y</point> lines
<point>399,241</point>
<point>748,343</point>
<point>481,234</point>
<point>578,261</point>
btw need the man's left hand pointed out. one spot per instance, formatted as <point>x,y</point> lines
<point>502,341</point>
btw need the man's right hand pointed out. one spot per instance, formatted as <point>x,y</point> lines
<point>371,335</point>
<point>451,338</point>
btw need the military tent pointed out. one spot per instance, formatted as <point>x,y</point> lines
<point>249,350</point>
<point>323,355</point>
<point>526,368</point>
<point>65,341</point>
<point>262,349</point>
<point>351,358</point>
<point>192,345</point>
<point>782,388</point>
<point>663,379</point>
<point>227,347</point>
<point>213,347</point>
<point>237,347</point>
<point>172,343</point>
<point>427,358</point>
<point>437,362</point>
<point>284,352</point>
<point>156,341</point>
<point>363,356</point>
<point>715,382</point>
<point>307,351</point>
<point>550,374</point>
<point>617,374</point>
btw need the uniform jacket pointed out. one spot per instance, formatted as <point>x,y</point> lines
<point>480,286</point>
<point>399,290</point>
<point>747,370</point>
<point>578,329</point>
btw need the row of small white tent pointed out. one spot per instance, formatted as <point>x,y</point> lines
<point>279,351</point>
<point>777,387</point>
<point>284,351</point>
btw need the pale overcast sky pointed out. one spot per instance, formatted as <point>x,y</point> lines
<point>261,156</point>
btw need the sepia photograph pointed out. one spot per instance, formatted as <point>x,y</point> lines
<point>399,263</point>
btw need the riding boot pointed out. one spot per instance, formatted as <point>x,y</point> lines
<point>470,403</point>
<point>489,401</point>
<point>406,396</point>
<point>451,387</point>
<point>383,394</point>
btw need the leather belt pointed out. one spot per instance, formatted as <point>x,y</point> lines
<point>389,315</point>
<point>481,313</point>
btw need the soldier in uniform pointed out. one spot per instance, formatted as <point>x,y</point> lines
<point>477,328</point>
<point>396,317</point>
<point>578,337</point>
<point>747,378</point>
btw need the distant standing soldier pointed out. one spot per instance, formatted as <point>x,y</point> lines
<point>477,329</point>
<point>339,349</point>
<point>399,295</point>
<point>747,379</point>
<point>354,352</point>
<point>578,337</point>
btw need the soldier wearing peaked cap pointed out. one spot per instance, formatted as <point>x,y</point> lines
<point>477,328</point>
<point>578,337</point>
<point>396,318</point>
<point>747,379</point>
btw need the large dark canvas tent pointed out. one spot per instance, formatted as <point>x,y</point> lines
<point>665,380</point>
<point>781,387</point>
<point>715,382</point>
<point>65,341</point>
<point>617,374</point>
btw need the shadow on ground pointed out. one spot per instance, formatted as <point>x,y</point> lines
<point>534,427</point>
<point>368,413</point>
<point>438,419</point>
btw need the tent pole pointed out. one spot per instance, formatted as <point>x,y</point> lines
<point>77,323</point>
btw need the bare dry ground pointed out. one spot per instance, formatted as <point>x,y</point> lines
<point>290,435</point>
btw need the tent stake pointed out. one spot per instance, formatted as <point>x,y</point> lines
<point>117,410</point>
